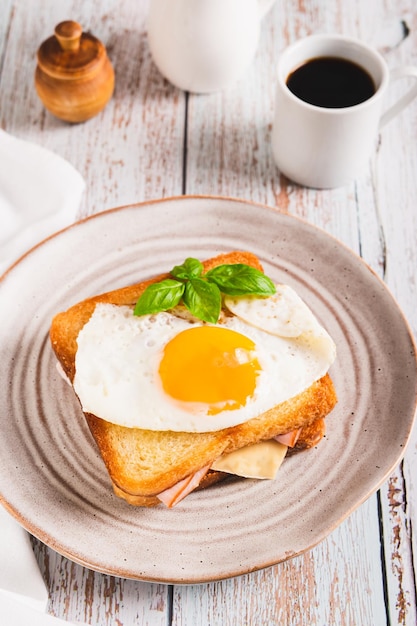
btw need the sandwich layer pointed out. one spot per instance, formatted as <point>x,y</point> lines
<point>141,462</point>
<point>146,462</point>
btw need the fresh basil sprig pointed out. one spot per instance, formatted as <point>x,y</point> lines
<point>203,299</point>
<point>202,293</point>
<point>160,297</point>
<point>191,268</point>
<point>241,280</point>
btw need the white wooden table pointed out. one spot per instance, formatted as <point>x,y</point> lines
<point>154,141</point>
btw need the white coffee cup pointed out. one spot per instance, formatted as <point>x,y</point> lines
<point>323,147</point>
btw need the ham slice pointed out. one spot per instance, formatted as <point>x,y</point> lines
<point>170,497</point>
<point>289,439</point>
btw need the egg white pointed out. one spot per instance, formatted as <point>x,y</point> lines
<point>118,357</point>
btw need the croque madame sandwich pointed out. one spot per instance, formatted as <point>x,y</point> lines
<point>207,371</point>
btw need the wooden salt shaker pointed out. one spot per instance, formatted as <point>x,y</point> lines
<point>74,77</point>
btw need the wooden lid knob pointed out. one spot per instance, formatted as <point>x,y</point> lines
<point>70,52</point>
<point>69,34</point>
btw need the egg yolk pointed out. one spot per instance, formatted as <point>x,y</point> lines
<point>210,365</point>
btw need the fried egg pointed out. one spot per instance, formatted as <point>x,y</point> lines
<point>171,372</point>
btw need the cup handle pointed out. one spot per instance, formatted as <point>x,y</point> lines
<point>406,71</point>
<point>264,6</point>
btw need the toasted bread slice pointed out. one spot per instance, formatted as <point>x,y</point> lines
<point>143,463</point>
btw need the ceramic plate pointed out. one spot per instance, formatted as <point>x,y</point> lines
<point>51,476</point>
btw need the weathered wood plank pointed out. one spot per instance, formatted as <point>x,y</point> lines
<point>320,587</point>
<point>396,189</point>
<point>6,8</point>
<point>79,594</point>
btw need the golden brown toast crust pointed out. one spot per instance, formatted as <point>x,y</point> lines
<point>142,463</point>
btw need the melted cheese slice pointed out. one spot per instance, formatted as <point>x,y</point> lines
<point>260,460</point>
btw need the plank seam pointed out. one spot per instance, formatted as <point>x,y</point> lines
<point>185,146</point>
<point>383,559</point>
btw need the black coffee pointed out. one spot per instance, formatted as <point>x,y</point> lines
<point>331,82</point>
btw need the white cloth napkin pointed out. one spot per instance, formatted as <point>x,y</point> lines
<point>23,594</point>
<point>40,193</point>
<point>20,578</point>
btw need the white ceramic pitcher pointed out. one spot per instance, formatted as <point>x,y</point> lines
<point>204,45</point>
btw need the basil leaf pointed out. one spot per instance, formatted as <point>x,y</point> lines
<point>202,299</point>
<point>191,268</point>
<point>159,297</point>
<point>239,279</point>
